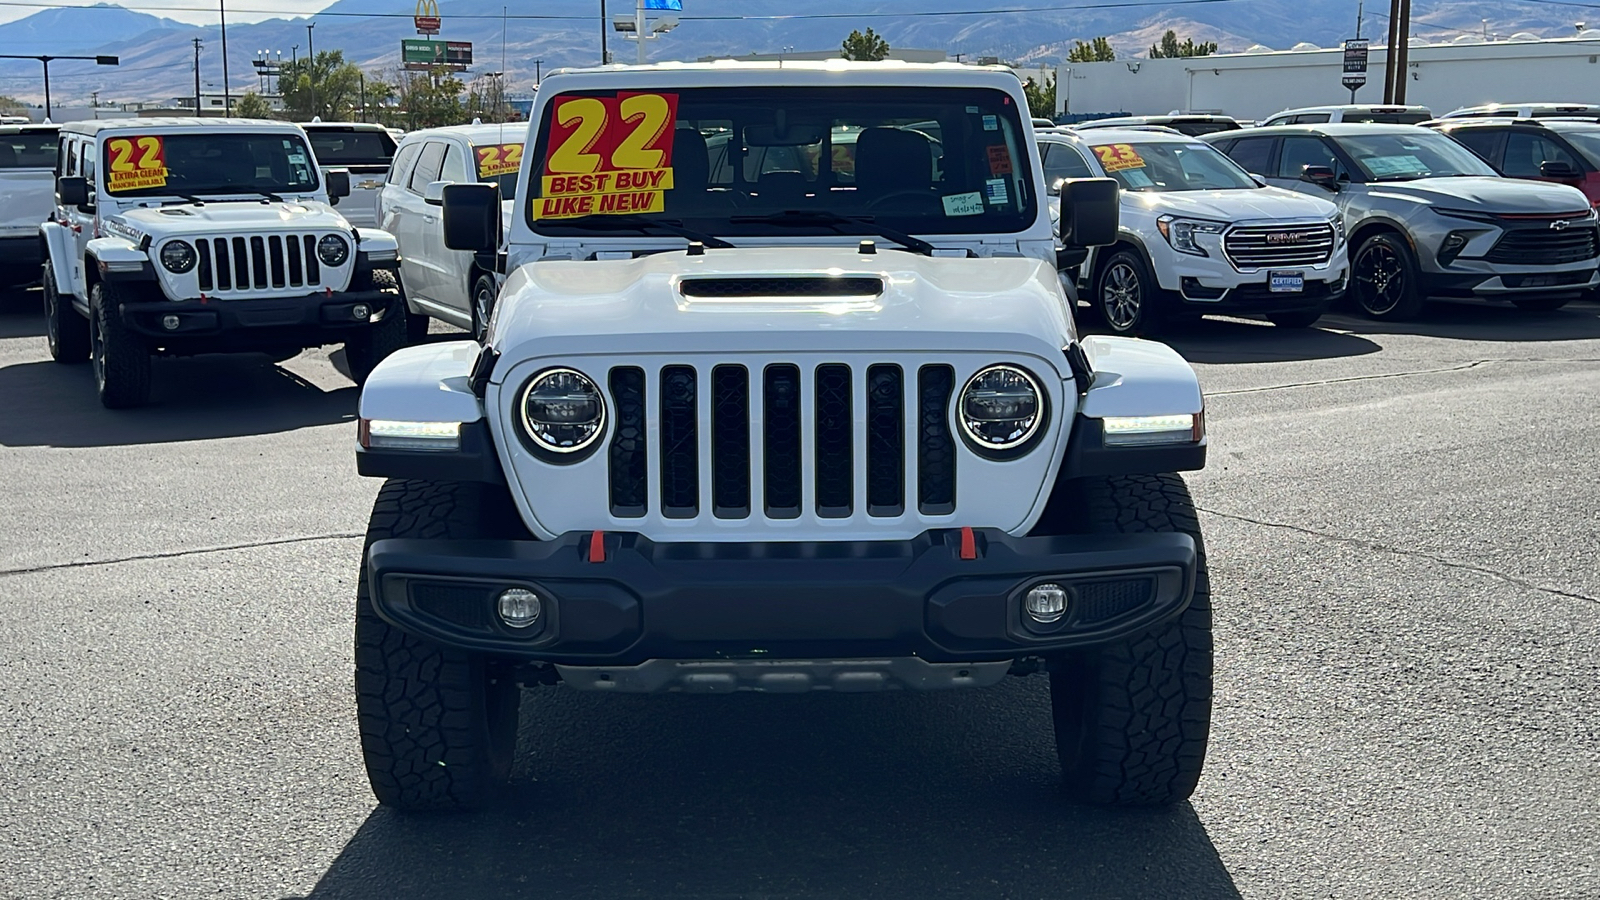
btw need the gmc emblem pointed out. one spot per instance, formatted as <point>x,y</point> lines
<point>1559,224</point>
<point>1285,237</point>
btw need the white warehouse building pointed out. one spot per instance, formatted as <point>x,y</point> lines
<point>1261,81</point>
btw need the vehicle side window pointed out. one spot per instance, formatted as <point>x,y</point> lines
<point>1525,151</point>
<point>1311,118</point>
<point>88,165</point>
<point>428,166</point>
<point>1299,152</point>
<point>1277,120</point>
<point>1062,161</point>
<point>455,166</point>
<point>402,163</point>
<point>68,165</point>
<point>1479,140</point>
<point>1252,154</point>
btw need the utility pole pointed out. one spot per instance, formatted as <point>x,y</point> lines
<point>311,68</point>
<point>1403,45</point>
<point>227,96</point>
<point>538,70</point>
<point>604,27</point>
<point>363,77</point>
<point>1391,53</point>
<point>45,61</point>
<point>197,76</point>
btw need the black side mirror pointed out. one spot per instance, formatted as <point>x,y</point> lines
<point>338,184</point>
<point>1558,168</point>
<point>1090,212</point>
<point>472,217</point>
<point>1321,176</point>
<point>72,190</point>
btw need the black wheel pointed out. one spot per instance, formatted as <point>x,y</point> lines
<point>1385,278</point>
<point>484,291</point>
<point>66,331</point>
<point>121,358</point>
<point>1304,318</point>
<point>438,726</point>
<point>1125,294</point>
<point>1132,718</point>
<point>368,347</point>
<point>1540,304</point>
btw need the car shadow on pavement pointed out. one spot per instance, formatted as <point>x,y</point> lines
<point>819,795</point>
<point>194,398</point>
<point>1220,341</point>
<point>21,314</point>
<point>1579,321</point>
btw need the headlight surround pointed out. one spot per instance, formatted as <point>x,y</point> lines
<point>1337,221</point>
<point>1001,410</point>
<point>563,413</point>
<point>178,257</point>
<point>333,250</point>
<point>1181,233</point>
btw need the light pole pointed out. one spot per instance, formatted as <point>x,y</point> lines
<point>98,60</point>
<point>227,99</point>
<point>604,56</point>
<point>311,68</point>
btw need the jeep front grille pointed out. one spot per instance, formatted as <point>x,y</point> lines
<point>259,263</point>
<point>794,408</point>
<point>1264,246</point>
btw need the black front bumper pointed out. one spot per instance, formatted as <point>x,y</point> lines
<point>21,252</point>
<point>212,325</point>
<point>1260,299</point>
<point>775,601</point>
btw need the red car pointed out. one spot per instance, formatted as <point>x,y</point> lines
<point>1566,151</point>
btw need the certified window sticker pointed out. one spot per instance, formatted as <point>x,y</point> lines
<point>1118,157</point>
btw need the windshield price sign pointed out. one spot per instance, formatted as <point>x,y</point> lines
<point>1355,63</point>
<point>608,156</point>
<point>498,159</point>
<point>136,162</point>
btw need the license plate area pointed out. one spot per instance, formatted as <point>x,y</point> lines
<point>1286,282</point>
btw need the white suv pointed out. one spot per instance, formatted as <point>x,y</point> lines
<point>365,150</point>
<point>1198,234</point>
<point>27,195</point>
<point>1351,112</point>
<point>451,285</point>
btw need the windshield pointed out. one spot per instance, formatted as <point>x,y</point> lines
<point>1195,129</point>
<point>28,150</point>
<point>1171,166</point>
<point>1587,143</point>
<point>727,161</point>
<point>499,164</point>
<point>351,147</point>
<point>1385,118</point>
<point>222,162</point>
<point>1418,154</point>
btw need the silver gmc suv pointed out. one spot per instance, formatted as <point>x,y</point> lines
<point>1428,218</point>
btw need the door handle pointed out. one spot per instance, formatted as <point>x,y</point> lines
<point>430,219</point>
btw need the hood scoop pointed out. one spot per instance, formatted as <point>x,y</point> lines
<point>787,287</point>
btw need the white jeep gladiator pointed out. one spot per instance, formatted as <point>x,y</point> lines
<point>175,237</point>
<point>815,420</point>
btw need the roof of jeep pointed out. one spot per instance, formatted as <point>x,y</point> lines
<point>164,123</point>
<point>29,129</point>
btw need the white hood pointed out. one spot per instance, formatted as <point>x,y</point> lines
<point>227,217</point>
<point>1269,203</point>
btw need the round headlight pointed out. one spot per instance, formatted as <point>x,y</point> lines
<point>562,411</point>
<point>333,250</point>
<point>1001,408</point>
<point>177,257</point>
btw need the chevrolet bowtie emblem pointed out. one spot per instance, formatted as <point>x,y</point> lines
<point>1559,224</point>
<point>369,185</point>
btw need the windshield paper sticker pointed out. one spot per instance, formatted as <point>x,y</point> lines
<point>1384,166</point>
<point>136,162</point>
<point>1116,157</point>
<point>1136,178</point>
<point>498,159</point>
<point>970,204</point>
<point>608,156</point>
<point>999,160</point>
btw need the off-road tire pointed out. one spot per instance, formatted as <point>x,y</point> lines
<point>417,324</point>
<point>482,309</point>
<point>1303,318</point>
<point>1383,279</point>
<point>1132,718</point>
<point>371,345</point>
<point>120,355</point>
<point>1540,304</point>
<point>1122,279</point>
<point>438,726</point>
<point>66,332</point>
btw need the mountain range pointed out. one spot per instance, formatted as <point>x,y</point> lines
<point>157,54</point>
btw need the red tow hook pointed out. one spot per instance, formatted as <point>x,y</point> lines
<point>597,546</point>
<point>969,543</point>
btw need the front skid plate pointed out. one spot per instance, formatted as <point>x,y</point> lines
<point>783,676</point>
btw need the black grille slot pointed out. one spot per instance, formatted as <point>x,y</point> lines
<point>781,287</point>
<point>241,264</point>
<point>1102,600</point>
<point>224,265</point>
<point>886,441</point>
<point>258,259</point>
<point>276,244</point>
<point>464,606</point>
<point>313,269</point>
<point>834,459</point>
<point>936,448</point>
<point>680,458</point>
<point>297,274</point>
<point>202,251</point>
<point>1544,246</point>
<point>781,441</point>
<point>630,466</point>
<point>730,442</point>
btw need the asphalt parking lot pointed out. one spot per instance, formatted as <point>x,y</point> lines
<point>1405,552</point>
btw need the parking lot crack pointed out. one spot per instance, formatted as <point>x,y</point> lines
<point>175,554</point>
<point>1380,376</point>
<point>1379,547</point>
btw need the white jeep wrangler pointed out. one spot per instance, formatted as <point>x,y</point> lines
<point>172,236</point>
<point>824,426</point>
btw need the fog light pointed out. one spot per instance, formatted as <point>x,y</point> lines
<point>361,311</point>
<point>170,323</point>
<point>520,608</point>
<point>1046,603</point>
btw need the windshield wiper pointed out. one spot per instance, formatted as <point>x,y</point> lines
<point>803,217</point>
<point>643,223</point>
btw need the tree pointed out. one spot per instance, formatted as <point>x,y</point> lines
<point>1098,50</point>
<point>328,87</point>
<point>429,99</point>
<point>11,106</point>
<point>486,99</point>
<point>252,106</point>
<point>1041,100</point>
<point>1169,48</point>
<point>869,46</point>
